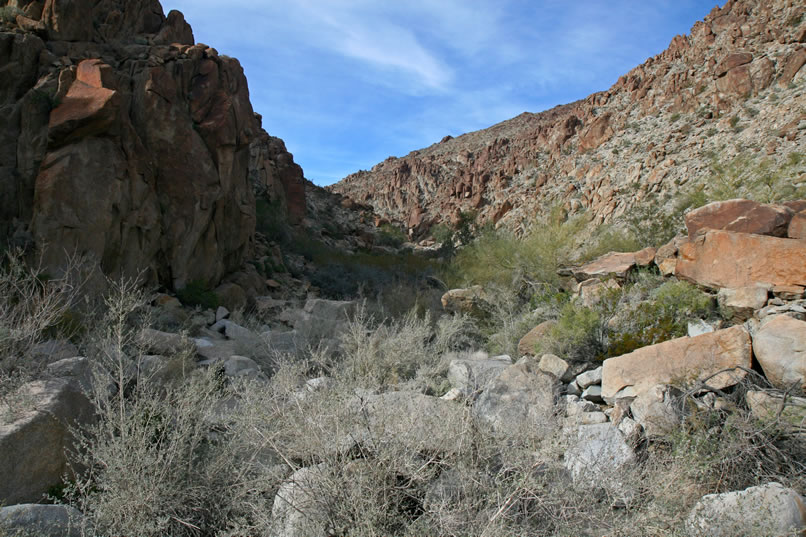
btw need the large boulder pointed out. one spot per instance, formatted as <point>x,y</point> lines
<point>788,411</point>
<point>34,439</point>
<point>780,348</point>
<point>744,216</point>
<point>680,361</point>
<point>598,458</point>
<point>740,304</point>
<point>474,372</point>
<point>520,400</point>
<point>528,344</point>
<point>769,510</point>
<point>299,508</point>
<point>719,259</point>
<point>615,264</point>
<point>470,300</point>
<point>42,520</point>
<point>657,410</point>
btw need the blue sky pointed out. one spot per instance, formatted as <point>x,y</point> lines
<point>347,83</point>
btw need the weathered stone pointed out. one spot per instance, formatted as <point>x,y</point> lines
<point>242,367</point>
<point>645,257</point>
<point>731,61</point>
<point>681,361</point>
<point>598,458</point>
<point>797,226</point>
<point>164,343</point>
<point>42,520</point>
<point>527,346</point>
<point>33,439</point>
<point>657,410</point>
<point>555,365</point>
<point>590,291</point>
<point>699,327</point>
<point>593,394</point>
<point>788,411</point>
<point>299,508</point>
<point>780,348</point>
<point>794,62</point>
<point>770,510</point>
<point>588,378</point>
<point>740,215</point>
<point>475,372</point>
<point>788,292</point>
<point>740,304</point>
<point>76,370</point>
<point>615,264</point>
<point>470,300</point>
<point>520,400</point>
<point>720,259</point>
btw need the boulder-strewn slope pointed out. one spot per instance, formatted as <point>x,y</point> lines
<point>733,87</point>
<point>123,140</point>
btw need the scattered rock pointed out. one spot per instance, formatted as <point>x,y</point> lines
<point>299,509</point>
<point>789,410</point>
<point>163,343</point>
<point>680,361</point>
<point>475,372</point>
<point>615,264</point>
<point>590,291</point>
<point>470,300</point>
<point>699,327</point>
<point>588,378</point>
<point>528,343</point>
<point>657,410</point>
<point>555,365</point>
<point>797,226</point>
<point>740,304</point>
<point>593,393</point>
<point>770,510</point>
<point>221,313</point>
<point>521,399</point>
<point>33,438</point>
<point>780,348</point>
<point>598,458</point>
<point>42,520</point>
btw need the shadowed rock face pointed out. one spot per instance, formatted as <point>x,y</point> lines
<point>122,140</point>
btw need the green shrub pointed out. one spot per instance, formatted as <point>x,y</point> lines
<point>499,257</point>
<point>9,13</point>
<point>270,219</point>
<point>198,293</point>
<point>390,235</point>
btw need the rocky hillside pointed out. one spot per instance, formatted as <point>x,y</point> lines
<point>734,87</point>
<point>123,140</point>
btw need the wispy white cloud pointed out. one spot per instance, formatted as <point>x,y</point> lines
<point>347,82</point>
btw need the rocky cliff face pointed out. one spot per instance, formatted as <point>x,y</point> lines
<point>734,86</point>
<point>123,140</point>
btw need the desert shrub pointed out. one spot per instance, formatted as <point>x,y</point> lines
<point>579,335</point>
<point>270,219</point>
<point>662,315</point>
<point>501,258</point>
<point>389,235</point>
<point>197,293</point>
<point>9,13</point>
<point>34,306</point>
<point>379,354</point>
<point>764,181</point>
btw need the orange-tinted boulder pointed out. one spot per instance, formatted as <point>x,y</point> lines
<point>740,215</point>
<point>719,259</point>
<point>797,226</point>
<point>680,361</point>
<point>616,264</point>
